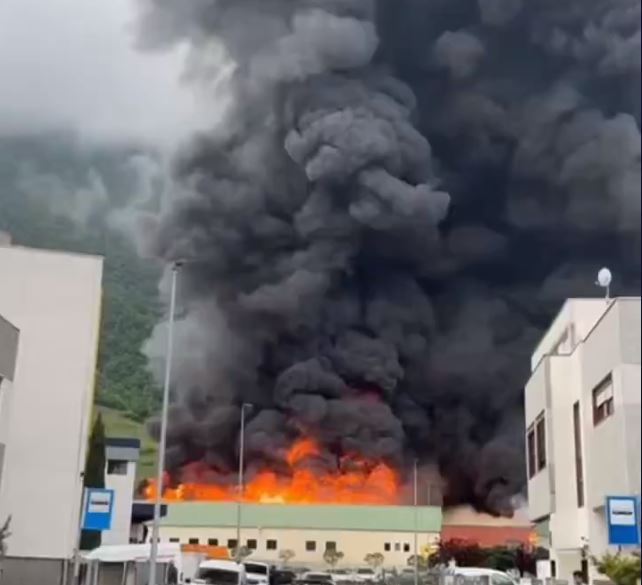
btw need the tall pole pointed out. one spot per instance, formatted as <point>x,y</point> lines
<point>163,433</point>
<point>239,502</point>
<point>416,527</point>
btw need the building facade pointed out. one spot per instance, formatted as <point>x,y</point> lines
<point>121,457</point>
<point>54,299</point>
<point>582,410</point>
<point>9,336</point>
<point>307,530</point>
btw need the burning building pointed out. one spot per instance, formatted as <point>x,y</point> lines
<point>399,196</point>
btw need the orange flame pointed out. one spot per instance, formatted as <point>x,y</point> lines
<point>356,481</point>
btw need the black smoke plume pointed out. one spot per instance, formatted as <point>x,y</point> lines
<point>401,196</point>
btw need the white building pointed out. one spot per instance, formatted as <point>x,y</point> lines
<point>582,407</point>
<point>307,530</point>
<point>121,457</point>
<point>54,299</point>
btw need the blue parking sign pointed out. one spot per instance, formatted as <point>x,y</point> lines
<point>98,509</point>
<point>623,520</point>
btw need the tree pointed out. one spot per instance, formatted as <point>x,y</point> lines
<point>464,553</point>
<point>286,555</point>
<point>423,563</point>
<point>332,557</point>
<point>94,475</point>
<point>619,568</point>
<point>4,536</point>
<point>241,553</point>
<point>374,560</point>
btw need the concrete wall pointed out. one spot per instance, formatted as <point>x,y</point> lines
<point>54,300</point>
<point>31,571</point>
<point>354,544</point>
<point>607,341</point>
<point>123,486</point>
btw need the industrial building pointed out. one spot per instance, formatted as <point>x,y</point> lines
<point>582,410</point>
<point>54,300</point>
<point>306,530</point>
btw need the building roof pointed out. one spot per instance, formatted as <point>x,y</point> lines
<point>321,517</point>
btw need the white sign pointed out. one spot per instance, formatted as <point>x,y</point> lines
<point>99,503</point>
<point>622,512</point>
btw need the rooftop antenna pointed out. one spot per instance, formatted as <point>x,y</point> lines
<point>604,278</point>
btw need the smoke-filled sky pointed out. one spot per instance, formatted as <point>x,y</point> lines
<point>401,196</point>
<point>387,202</point>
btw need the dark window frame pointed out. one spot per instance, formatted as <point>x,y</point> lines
<point>331,545</point>
<point>251,543</point>
<point>310,545</point>
<point>271,544</point>
<point>117,467</point>
<point>212,542</point>
<point>387,547</point>
<point>530,452</point>
<point>606,408</point>
<point>579,461</point>
<point>194,541</point>
<point>232,543</point>
<point>540,441</point>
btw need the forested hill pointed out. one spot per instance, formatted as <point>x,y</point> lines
<point>57,193</point>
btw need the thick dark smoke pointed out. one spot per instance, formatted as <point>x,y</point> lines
<point>402,195</point>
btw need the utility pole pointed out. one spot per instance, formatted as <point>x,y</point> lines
<point>416,552</point>
<point>153,555</point>
<point>245,406</point>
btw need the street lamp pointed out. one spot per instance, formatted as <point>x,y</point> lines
<point>245,406</point>
<point>163,432</point>
<point>414,498</point>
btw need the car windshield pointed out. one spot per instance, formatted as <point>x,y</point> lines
<point>318,576</point>
<point>256,568</point>
<point>365,572</point>
<point>340,572</point>
<point>218,576</point>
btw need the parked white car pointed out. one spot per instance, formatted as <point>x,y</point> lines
<point>257,573</point>
<point>341,576</point>
<point>464,575</point>
<point>219,573</point>
<point>364,575</point>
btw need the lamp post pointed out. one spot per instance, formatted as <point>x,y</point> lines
<point>414,498</point>
<point>245,406</point>
<point>153,555</point>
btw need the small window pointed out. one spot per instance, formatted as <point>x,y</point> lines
<point>310,545</point>
<point>386,546</point>
<point>540,433</point>
<point>231,543</point>
<point>579,462</point>
<point>397,547</point>
<point>116,467</point>
<point>193,541</point>
<point>174,539</point>
<point>271,544</point>
<point>530,446</point>
<point>251,543</point>
<point>603,400</point>
<point>406,547</point>
<point>331,545</point>
<point>212,542</point>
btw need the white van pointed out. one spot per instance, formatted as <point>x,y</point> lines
<point>221,572</point>
<point>257,573</point>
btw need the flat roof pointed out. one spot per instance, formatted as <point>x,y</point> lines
<point>320,517</point>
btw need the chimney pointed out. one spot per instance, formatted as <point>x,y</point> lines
<point>5,239</point>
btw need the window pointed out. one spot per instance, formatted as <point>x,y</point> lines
<point>116,467</point>
<point>397,546</point>
<point>530,445</point>
<point>540,434</point>
<point>386,546</point>
<point>212,542</point>
<point>174,539</point>
<point>406,547</point>
<point>193,541</point>
<point>579,464</point>
<point>231,543</point>
<point>603,400</point>
<point>251,543</point>
<point>270,544</point>
<point>331,545</point>
<point>310,545</point>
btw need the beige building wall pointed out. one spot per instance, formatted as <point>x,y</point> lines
<point>355,545</point>
<point>54,299</point>
<point>589,341</point>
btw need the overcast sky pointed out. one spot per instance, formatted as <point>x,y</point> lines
<point>72,64</point>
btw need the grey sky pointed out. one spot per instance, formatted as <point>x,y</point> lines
<point>72,64</point>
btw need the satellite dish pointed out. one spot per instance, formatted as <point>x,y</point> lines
<point>604,278</point>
